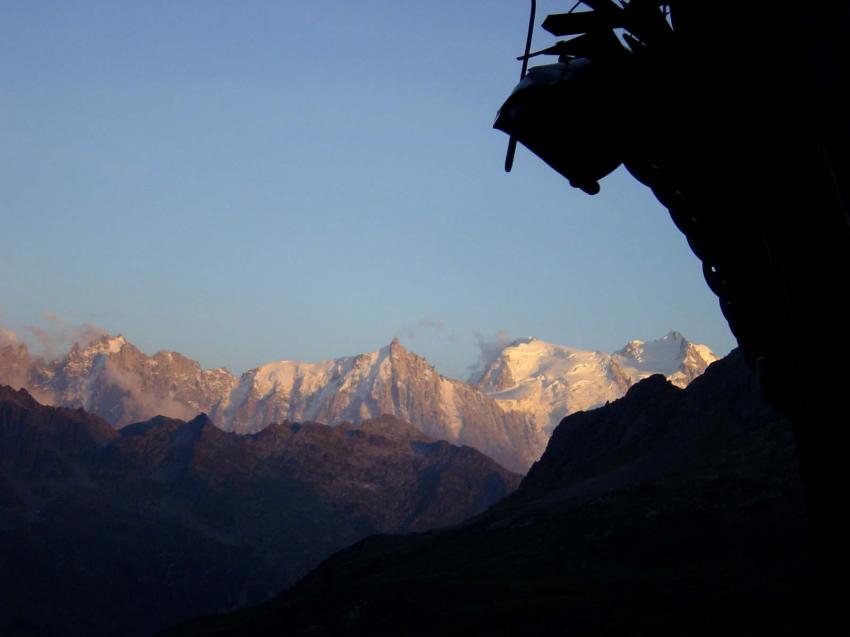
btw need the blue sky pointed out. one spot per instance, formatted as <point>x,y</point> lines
<point>249,181</point>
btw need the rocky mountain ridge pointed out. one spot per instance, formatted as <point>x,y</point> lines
<point>391,380</point>
<point>114,379</point>
<point>508,414</point>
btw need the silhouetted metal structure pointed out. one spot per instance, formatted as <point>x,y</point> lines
<point>734,114</point>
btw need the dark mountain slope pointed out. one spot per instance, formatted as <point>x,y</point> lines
<point>667,512</point>
<point>123,533</point>
<point>35,439</point>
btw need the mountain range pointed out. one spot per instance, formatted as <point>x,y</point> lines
<point>666,512</point>
<point>123,532</point>
<point>507,410</point>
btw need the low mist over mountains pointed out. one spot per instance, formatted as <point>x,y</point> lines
<point>507,411</point>
<point>106,532</point>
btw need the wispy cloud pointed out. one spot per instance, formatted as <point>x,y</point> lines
<point>489,348</point>
<point>52,317</point>
<point>58,335</point>
<point>140,403</point>
<point>423,325</point>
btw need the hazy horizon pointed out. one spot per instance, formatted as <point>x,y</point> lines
<point>289,180</point>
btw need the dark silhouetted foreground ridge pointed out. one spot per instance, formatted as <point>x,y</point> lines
<point>106,532</point>
<point>667,512</point>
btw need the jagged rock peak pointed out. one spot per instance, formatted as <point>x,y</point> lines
<point>391,380</point>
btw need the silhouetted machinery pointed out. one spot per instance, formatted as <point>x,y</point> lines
<point>735,115</point>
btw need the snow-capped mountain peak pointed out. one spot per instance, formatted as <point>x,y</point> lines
<point>390,380</point>
<point>551,381</point>
<point>105,344</point>
<point>671,355</point>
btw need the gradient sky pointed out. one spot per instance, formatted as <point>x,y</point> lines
<point>250,181</point>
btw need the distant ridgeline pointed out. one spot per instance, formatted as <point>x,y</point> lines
<point>106,532</point>
<point>507,410</point>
